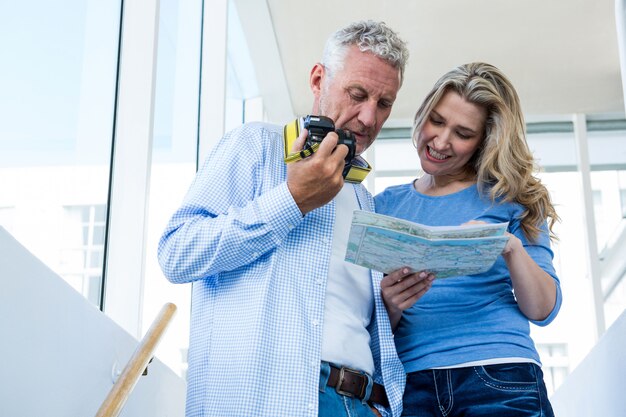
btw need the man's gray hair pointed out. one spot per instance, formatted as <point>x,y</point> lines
<point>367,35</point>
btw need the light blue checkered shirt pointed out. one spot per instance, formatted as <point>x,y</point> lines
<point>259,273</point>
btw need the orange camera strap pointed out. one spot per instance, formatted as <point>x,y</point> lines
<point>359,168</point>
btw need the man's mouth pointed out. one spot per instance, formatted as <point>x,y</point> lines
<point>361,137</point>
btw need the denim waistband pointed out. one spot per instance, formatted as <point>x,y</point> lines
<point>325,374</point>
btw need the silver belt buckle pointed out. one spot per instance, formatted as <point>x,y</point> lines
<point>342,372</point>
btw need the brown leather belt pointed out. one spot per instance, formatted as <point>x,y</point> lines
<point>353,383</point>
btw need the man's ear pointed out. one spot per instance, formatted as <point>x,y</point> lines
<point>315,79</point>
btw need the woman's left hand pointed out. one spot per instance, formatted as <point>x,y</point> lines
<point>401,289</point>
<point>535,289</point>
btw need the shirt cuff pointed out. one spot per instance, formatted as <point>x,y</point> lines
<point>278,208</point>
<point>555,310</point>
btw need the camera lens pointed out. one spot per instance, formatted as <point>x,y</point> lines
<point>319,126</point>
<point>347,138</point>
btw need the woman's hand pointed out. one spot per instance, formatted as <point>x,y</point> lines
<point>401,289</point>
<point>535,290</point>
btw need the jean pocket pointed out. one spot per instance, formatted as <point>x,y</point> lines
<point>509,376</point>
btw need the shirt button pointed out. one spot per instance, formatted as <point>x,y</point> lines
<point>315,322</point>
<point>310,406</point>
<point>319,281</point>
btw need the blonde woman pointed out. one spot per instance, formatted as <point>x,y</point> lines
<point>466,343</point>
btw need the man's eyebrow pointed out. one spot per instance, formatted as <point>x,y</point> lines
<point>363,90</point>
<point>357,87</point>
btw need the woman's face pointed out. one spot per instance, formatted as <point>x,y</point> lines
<point>450,136</point>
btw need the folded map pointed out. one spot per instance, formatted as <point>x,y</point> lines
<point>386,243</point>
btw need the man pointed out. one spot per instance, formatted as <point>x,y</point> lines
<point>281,325</point>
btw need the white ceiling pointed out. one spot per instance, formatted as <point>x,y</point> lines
<point>562,55</point>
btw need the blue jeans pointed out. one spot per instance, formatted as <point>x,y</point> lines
<point>505,390</point>
<point>332,404</point>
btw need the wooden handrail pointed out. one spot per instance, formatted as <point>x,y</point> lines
<point>122,388</point>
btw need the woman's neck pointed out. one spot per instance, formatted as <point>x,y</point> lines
<point>444,184</point>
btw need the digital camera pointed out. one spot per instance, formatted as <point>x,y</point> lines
<point>319,126</point>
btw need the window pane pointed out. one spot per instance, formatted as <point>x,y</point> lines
<point>554,358</point>
<point>175,145</point>
<point>98,234</point>
<point>607,205</point>
<point>94,287</point>
<point>95,258</point>
<point>616,301</point>
<point>173,162</point>
<point>621,180</point>
<point>71,261</point>
<point>58,80</point>
<point>6,218</point>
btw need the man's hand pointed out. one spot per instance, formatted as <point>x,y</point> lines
<point>401,289</point>
<point>316,180</point>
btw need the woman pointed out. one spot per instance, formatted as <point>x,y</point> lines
<point>466,345</point>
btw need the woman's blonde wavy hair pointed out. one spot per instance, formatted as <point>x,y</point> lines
<point>503,163</point>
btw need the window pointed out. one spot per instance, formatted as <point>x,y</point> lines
<point>615,302</point>
<point>554,359</point>
<point>82,250</point>
<point>175,146</point>
<point>607,205</point>
<point>6,218</point>
<point>58,82</point>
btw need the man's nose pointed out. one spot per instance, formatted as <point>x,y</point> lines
<point>367,114</point>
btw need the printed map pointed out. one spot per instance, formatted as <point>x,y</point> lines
<point>385,243</point>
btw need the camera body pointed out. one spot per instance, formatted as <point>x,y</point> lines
<point>319,126</point>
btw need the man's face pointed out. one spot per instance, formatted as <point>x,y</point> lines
<point>359,96</point>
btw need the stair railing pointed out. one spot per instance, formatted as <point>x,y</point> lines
<point>136,366</point>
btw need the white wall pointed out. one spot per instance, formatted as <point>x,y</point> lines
<point>596,387</point>
<point>59,352</point>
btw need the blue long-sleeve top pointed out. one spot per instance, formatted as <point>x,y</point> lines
<point>467,318</point>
